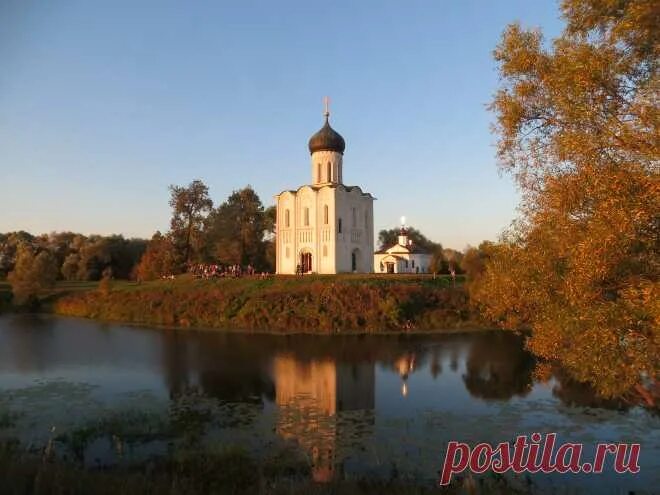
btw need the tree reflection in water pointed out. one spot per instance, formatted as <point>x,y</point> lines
<point>498,367</point>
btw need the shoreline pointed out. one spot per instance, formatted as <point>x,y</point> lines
<point>353,333</point>
<point>339,305</point>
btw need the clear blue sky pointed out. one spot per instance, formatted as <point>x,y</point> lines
<point>104,104</point>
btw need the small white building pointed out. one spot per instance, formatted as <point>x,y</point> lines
<point>325,226</point>
<point>403,257</point>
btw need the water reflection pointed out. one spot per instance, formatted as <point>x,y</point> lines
<point>222,367</point>
<point>496,369</point>
<point>310,396</point>
<point>348,403</point>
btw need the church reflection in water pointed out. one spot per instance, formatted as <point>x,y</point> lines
<point>324,389</point>
<point>310,395</point>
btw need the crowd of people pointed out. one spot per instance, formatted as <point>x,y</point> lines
<point>207,271</point>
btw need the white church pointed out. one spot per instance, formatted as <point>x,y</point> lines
<point>402,257</point>
<point>325,227</point>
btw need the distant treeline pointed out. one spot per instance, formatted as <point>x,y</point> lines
<point>74,256</point>
<point>239,231</point>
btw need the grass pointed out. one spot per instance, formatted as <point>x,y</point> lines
<point>283,304</point>
<point>227,471</point>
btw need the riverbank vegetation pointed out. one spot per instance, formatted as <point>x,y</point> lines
<point>318,304</point>
<point>226,471</point>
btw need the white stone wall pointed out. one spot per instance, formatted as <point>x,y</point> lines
<point>357,234</point>
<point>331,250</point>
<point>320,161</point>
<point>286,254</point>
<point>414,261</point>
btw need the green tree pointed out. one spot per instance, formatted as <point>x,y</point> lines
<point>577,122</point>
<point>190,205</point>
<point>32,274</point>
<point>270,217</point>
<point>237,229</point>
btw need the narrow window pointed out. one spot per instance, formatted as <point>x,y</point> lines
<point>325,214</point>
<point>354,211</point>
<point>339,226</point>
<point>286,218</point>
<point>306,217</point>
<point>318,172</point>
<point>413,263</point>
<point>329,172</point>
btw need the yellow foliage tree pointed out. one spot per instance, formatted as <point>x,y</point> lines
<point>32,274</point>
<point>577,121</point>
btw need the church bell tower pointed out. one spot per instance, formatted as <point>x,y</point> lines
<point>327,152</point>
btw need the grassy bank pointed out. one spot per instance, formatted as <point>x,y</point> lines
<point>228,471</point>
<point>319,304</point>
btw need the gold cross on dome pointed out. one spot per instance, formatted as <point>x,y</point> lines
<point>326,104</point>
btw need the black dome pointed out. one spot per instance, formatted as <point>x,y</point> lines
<point>327,139</point>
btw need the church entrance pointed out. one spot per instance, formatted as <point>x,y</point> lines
<point>305,262</point>
<point>390,267</point>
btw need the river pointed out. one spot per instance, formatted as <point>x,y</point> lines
<point>354,406</point>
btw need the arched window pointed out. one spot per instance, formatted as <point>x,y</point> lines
<point>318,172</point>
<point>339,226</point>
<point>325,214</point>
<point>329,172</point>
<point>306,217</point>
<point>286,218</point>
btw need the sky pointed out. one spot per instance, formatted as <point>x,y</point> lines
<point>103,105</point>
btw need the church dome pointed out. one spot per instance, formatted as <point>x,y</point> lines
<point>327,139</point>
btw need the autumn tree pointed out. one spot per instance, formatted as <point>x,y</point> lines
<point>473,262</point>
<point>9,244</point>
<point>577,121</point>
<point>158,260</point>
<point>190,205</point>
<point>32,274</point>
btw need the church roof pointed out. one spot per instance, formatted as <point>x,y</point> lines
<point>399,249</point>
<point>327,139</point>
<point>315,187</point>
